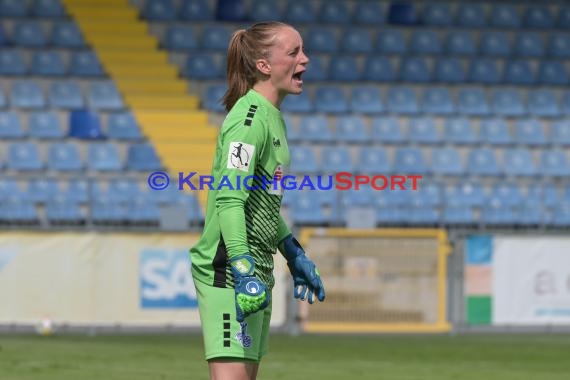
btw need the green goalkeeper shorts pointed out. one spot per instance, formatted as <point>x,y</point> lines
<point>224,337</point>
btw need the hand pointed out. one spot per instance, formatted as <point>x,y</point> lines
<point>306,277</point>
<point>251,293</point>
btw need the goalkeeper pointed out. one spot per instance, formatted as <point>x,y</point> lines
<point>232,263</point>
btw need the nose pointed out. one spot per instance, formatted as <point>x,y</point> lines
<point>304,58</point>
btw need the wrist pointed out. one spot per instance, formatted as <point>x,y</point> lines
<point>290,248</point>
<point>242,265</point>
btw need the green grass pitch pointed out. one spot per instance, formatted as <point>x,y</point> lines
<point>307,357</point>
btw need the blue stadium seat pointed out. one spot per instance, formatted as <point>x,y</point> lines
<point>468,193</point>
<point>422,130</point>
<point>198,10</point>
<point>336,159</point>
<point>409,160</point>
<point>519,162</point>
<point>554,164</point>
<point>552,73</point>
<point>27,94</point>
<point>303,160</point>
<point>85,64</point>
<point>330,99</point>
<point>12,63</point>
<point>41,190</point>
<point>543,194</point>
<point>460,43</point>
<point>104,96</point>
<point>529,132</point>
<point>320,39</point>
<point>560,132</point>
<point>373,161</point>
<point>519,72</point>
<point>402,100</point>
<point>427,193</point>
<point>121,190</point>
<point>495,44</point>
<point>67,35</point>
<point>262,10</point>
<point>334,12</point>
<point>356,40</point>
<point>3,36</point>
<point>437,101</point>
<point>472,102</point>
<point>388,214</point>
<point>45,125</point>
<point>297,103</point>
<point>437,14</point>
<point>142,211</point>
<point>564,17</point>
<point>363,197</point>
<point>317,70</point>
<point>425,42</point>
<point>48,9</point>
<point>16,211</point>
<point>386,130</point>
<point>103,157</point>
<point>415,70</point>
<point>529,44</point>
<point>391,41</point>
<point>366,100</point>
<point>458,215</point>
<point>449,70</point>
<point>215,37</point>
<point>142,157</point>
<point>24,157</point>
<point>446,161</point>
<point>561,215</point>
<point>378,69</point>
<point>482,162</point>
<point>159,10</point>
<point>505,16</point>
<point>65,94</point>
<point>507,102</point>
<point>77,190</point>
<point>3,100</point>
<point>300,12</point>
<point>213,97</point>
<point>106,212</point>
<point>565,102</point>
<point>10,125</point>
<point>48,63</point>
<point>13,8</point>
<point>458,130</point>
<point>368,13</point>
<point>202,66</point>
<point>530,214</point>
<point>61,211</point>
<point>314,128</point>
<point>351,129</point>
<point>485,71</point>
<point>64,157</point>
<point>344,68</point>
<point>471,15</point>
<point>543,103</point>
<point>306,209</point>
<point>28,34</point>
<point>538,16</point>
<point>9,188</point>
<point>178,38</point>
<point>559,46</point>
<point>507,192</point>
<point>123,126</point>
<point>496,213</point>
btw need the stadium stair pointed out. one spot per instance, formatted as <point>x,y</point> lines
<point>168,115</point>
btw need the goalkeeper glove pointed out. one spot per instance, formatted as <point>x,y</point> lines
<point>251,294</point>
<point>305,274</point>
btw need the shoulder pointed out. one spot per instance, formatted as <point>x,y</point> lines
<point>247,113</point>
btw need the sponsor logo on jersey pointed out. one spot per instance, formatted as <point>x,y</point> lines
<point>240,155</point>
<point>276,143</point>
<point>276,187</point>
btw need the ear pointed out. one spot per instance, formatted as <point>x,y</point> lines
<point>263,66</point>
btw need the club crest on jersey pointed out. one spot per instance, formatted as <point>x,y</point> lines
<point>239,156</point>
<point>242,337</point>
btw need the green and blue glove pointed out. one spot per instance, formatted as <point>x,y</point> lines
<point>306,277</point>
<point>251,292</point>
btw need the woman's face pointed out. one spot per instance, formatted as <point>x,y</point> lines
<point>288,62</point>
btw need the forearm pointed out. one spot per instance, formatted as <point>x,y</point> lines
<point>231,217</point>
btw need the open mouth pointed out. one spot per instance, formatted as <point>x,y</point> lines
<point>297,76</point>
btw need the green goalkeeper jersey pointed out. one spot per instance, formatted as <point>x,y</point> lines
<point>243,209</point>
